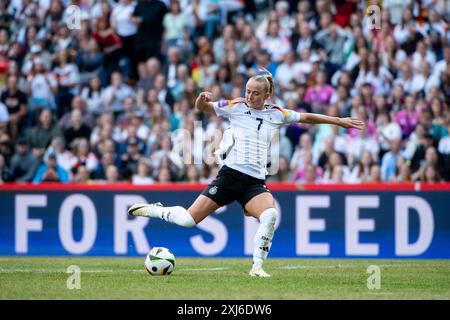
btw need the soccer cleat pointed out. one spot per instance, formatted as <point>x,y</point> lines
<point>258,272</point>
<point>144,210</point>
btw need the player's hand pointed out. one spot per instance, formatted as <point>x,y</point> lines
<point>205,97</point>
<point>351,123</point>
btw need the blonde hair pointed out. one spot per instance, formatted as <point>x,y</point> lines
<point>267,78</point>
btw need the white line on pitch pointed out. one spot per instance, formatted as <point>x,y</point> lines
<point>345,266</point>
<point>204,269</point>
<point>49,271</point>
<point>290,267</point>
<point>102,271</point>
<point>379,293</point>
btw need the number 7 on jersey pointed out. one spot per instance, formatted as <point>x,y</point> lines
<point>260,122</point>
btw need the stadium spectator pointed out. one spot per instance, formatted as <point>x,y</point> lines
<point>165,151</point>
<point>319,95</point>
<point>116,93</point>
<point>107,145</point>
<point>431,175</point>
<point>16,102</point>
<point>68,79</point>
<point>192,174</point>
<point>5,174</point>
<point>403,170</point>
<point>207,70</point>
<point>107,159</point>
<point>304,147</point>
<point>76,129</point>
<point>303,173</point>
<point>288,71</point>
<point>332,40</point>
<point>170,69</point>
<point>84,155</point>
<point>129,109</point>
<point>143,174</point>
<point>5,15</point>
<point>163,93</point>
<point>175,21</point>
<point>302,38</point>
<point>220,44</point>
<point>129,159</point>
<point>126,29</point>
<point>92,95</point>
<point>41,89</point>
<point>105,129</point>
<point>410,82</point>
<point>81,175</point>
<point>323,55</point>
<point>284,174</point>
<point>130,136</point>
<point>148,15</point>
<point>164,175</point>
<point>40,136</point>
<point>64,158</point>
<point>442,65</point>
<point>311,174</point>
<point>50,171</point>
<point>23,164</point>
<point>396,9</point>
<point>342,99</point>
<point>112,174</point>
<point>90,61</point>
<point>263,59</point>
<point>146,81</point>
<point>387,131</point>
<point>360,172</point>
<point>275,42</point>
<point>375,173</point>
<point>408,117</point>
<point>335,171</point>
<point>389,161</point>
<point>374,74</point>
<point>63,40</point>
<point>111,45</point>
<point>87,118</point>
<point>431,158</point>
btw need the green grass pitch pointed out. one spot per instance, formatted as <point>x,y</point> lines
<point>218,278</point>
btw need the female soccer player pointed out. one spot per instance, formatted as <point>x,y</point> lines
<point>244,149</point>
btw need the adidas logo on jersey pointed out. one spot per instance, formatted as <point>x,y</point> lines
<point>248,112</point>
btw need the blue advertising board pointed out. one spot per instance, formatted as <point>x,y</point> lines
<point>327,224</point>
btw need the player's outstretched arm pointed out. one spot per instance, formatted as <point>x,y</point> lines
<point>204,103</point>
<point>347,123</point>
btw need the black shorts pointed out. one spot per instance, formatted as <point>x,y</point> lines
<point>231,185</point>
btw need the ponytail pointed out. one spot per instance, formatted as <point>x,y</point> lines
<point>268,78</point>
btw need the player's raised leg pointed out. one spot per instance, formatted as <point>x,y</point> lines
<point>262,207</point>
<point>202,207</point>
<point>199,210</point>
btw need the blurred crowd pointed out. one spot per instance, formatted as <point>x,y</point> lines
<point>103,91</point>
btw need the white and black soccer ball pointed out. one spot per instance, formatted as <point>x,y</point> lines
<point>160,262</point>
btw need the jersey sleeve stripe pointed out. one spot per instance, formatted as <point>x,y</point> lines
<point>223,103</point>
<point>227,103</point>
<point>284,112</point>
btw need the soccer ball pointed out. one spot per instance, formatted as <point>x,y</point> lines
<point>159,262</point>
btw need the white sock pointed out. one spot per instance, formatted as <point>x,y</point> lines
<point>177,215</point>
<point>263,237</point>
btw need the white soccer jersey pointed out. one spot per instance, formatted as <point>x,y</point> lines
<point>245,146</point>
